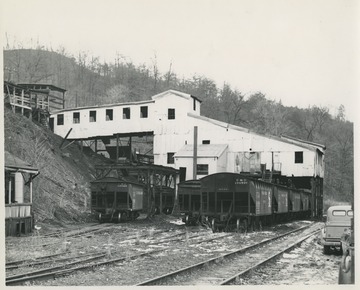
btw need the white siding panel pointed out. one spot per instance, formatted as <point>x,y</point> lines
<point>171,135</point>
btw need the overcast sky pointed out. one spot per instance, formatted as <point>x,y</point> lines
<point>300,52</point>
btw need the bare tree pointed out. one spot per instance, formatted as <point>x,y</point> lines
<point>168,75</point>
<point>156,73</point>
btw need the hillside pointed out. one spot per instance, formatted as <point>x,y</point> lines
<point>61,191</point>
<point>90,82</point>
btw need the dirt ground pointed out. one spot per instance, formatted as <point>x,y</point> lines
<point>305,265</point>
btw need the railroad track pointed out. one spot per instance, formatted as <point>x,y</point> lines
<point>226,268</point>
<point>53,258</point>
<point>69,268</point>
<point>64,265</point>
<point>92,260</point>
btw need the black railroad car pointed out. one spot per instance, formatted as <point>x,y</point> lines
<point>116,200</point>
<point>167,200</point>
<point>281,203</point>
<point>305,204</point>
<point>294,203</point>
<point>189,200</point>
<point>230,198</point>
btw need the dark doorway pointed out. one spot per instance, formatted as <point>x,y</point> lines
<point>182,174</point>
<point>51,124</point>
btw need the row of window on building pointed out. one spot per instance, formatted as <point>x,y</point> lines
<point>109,115</point>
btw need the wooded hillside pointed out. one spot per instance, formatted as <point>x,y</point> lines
<point>90,82</point>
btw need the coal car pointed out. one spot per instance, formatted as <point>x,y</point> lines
<point>189,200</point>
<point>116,200</point>
<point>231,200</point>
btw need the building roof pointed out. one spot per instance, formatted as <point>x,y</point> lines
<point>317,145</point>
<point>103,106</point>
<point>177,93</point>
<point>203,150</point>
<point>13,163</point>
<point>123,179</point>
<point>219,123</point>
<point>42,87</point>
<point>286,139</point>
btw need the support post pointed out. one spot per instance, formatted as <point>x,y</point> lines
<point>272,166</point>
<point>161,181</point>
<point>13,100</point>
<point>31,189</point>
<point>117,148</point>
<point>195,152</point>
<point>130,145</point>
<point>22,102</point>
<point>67,135</point>
<point>10,185</point>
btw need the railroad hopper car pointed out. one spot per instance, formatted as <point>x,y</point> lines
<point>116,200</point>
<point>229,199</point>
<point>290,203</point>
<point>233,200</point>
<point>189,200</point>
<point>167,201</point>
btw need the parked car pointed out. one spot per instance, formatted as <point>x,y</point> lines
<point>347,265</point>
<point>338,223</point>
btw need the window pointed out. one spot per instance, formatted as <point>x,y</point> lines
<point>299,157</point>
<point>194,105</point>
<point>339,213</point>
<point>202,169</point>
<point>60,119</point>
<point>92,116</point>
<point>170,158</point>
<point>206,141</point>
<point>126,113</point>
<point>9,189</point>
<point>144,112</point>
<point>109,115</point>
<point>76,117</point>
<point>171,114</point>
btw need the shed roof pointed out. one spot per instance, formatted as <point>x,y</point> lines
<point>13,163</point>
<point>123,179</point>
<point>42,87</point>
<point>203,150</point>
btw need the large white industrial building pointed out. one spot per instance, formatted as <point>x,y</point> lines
<point>171,117</point>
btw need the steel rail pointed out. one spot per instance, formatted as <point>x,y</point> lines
<point>41,276</point>
<point>264,261</point>
<point>9,264</point>
<point>60,232</point>
<point>35,263</point>
<point>34,273</point>
<point>153,281</point>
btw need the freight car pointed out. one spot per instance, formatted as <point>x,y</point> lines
<point>164,201</point>
<point>233,200</point>
<point>189,200</point>
<point>116,200</point>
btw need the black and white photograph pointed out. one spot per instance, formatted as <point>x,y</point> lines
<point>162,143</point>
